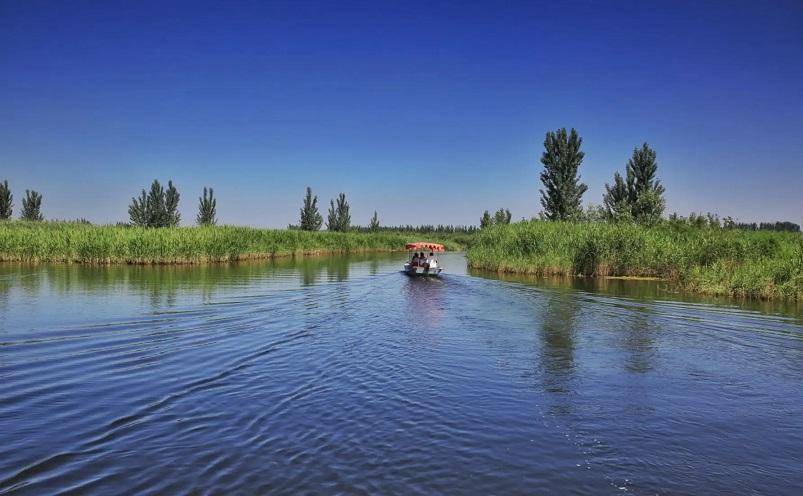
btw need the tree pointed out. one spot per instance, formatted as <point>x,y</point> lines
<point>339,218</point>
<point>172,216</point>
<point>207,206</point>
<point>502,216</point>
<point>138,210</point>
<point>563,192</point>
<point>617,199</point>
<point>31,206</point>
<point>311,219</point>
<point>155,212</point>
<point>645,190</point>
<point>374,226</point>
<point>6,199</point>
<point>486,220</point>
<point>156,208</point>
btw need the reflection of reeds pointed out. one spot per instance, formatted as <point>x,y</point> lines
<point>71,242</point>
<point>758,264</point>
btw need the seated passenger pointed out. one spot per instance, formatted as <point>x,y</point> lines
<point>414,261</point>
<point>431,261</point>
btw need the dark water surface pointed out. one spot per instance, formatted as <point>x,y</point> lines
<point>341,375</point>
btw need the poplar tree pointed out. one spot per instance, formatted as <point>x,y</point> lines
<point>155,212</point>
<point>138,210</point>
<point>563,192</point>
<point>646,192</point>
<point>155,208</point>
<point>311,219</point>
<point>207,206</point>
<point>640,195</point>
<point>374,225</point>
<point>171,215</point>
<point>31,206</point>
<point>617,199</point>
<point>486,220</point>
<point>339,218</point>
<point>502,216</point>
<point>6,199</point>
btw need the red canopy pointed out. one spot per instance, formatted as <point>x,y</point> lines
<point>423,245</point>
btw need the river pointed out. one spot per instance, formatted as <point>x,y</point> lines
<point>340,375</point>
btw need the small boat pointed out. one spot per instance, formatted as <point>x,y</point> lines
<point>427,269</point>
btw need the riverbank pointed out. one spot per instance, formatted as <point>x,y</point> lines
<point>88,244</point>
<point>753,264</point>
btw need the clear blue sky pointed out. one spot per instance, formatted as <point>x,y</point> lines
<point>443,104</point>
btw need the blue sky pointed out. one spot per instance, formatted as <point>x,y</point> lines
<point>427,112</point>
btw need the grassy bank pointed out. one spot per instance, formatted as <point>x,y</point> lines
<point>713,261</point>
<point>83,243</point>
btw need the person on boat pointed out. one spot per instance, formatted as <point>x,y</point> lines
<point>432,262</point>
<point>422,260</point>
<point>414,261</point>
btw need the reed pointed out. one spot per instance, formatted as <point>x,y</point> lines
<point>754,264</point>
<point>83,243</point>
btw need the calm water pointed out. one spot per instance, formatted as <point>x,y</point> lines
<point>341,375</point>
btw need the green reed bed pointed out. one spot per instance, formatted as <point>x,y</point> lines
<point>756,264</point>
<point>82,243</point>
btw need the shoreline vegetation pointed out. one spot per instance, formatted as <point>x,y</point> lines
<point>626,237</point>
<point>73,242</point>
<point>731,262</point>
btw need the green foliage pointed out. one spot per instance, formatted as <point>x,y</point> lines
<point>374,225</point>
<point>172,216</point>
<point>156,208</point>
<point>339,218</point>
<point>502,216</point>
<point>486,220</point>
<point>562,195</point>
<point>32,206</point>
<point>82,243</point>
<point>760,264</point>
<point>311,219</point>
<point>646,191</point>
<point>207,209</point>
<point>6,201</point>
<point>640,196</point>
<point>617,200</point>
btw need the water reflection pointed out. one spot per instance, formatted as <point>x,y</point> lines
<point>645,289</point>
<point>557,333</point>
<point>639,341</point>
<point>424,300</point>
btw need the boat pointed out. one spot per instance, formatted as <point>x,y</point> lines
<point>423,270</point>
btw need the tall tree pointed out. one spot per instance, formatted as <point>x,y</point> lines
<point>172,216</point>
<point>343,215</point>
<point>311,219</point>
<point>155,208</point>
<point>6,199</point>
<point>563,192</point>
<point>339,217</point>
<point>617,199</point>
<point>374,225</point>
<point>207,209</point>
<point>138,210</point>
<point>646,192</point>
<point>502,216</point>
<point>32,206</point>
<point>486,220</point>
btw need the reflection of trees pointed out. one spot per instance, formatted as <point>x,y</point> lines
<point>557,341</point>
<point>639,342</point>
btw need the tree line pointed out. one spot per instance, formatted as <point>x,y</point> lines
<point>638,196</point>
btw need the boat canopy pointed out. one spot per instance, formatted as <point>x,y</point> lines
<point>423,245</point>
